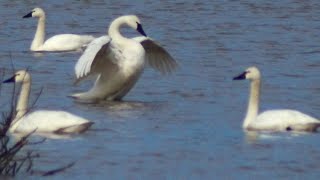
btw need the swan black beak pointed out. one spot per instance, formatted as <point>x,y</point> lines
<point>10,80</point>
<point>28,15</point>
<point>241,76</point>
<point>140,30</point>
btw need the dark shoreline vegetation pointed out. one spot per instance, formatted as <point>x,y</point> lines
<point>14,158</point>
<point>11,161</point>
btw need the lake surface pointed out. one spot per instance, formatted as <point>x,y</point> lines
<point>186,125</point>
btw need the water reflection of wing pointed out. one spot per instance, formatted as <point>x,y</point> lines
<point>18,136</point>
<point>254,136</point>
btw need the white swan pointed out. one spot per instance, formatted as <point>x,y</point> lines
<point>118,61</point>
<point>61,42</point>
<point>42,121</point>
<point>272,120</point>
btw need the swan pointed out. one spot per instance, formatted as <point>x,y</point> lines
<point>118,61</point>
<point>42,121</point>
<point>272,120</point>
<point>61,42</point>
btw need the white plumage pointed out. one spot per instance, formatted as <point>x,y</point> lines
<point>66,42</point>
<point>46,121</point>
<point>52,121</point>
<point>62,42</point>
<point>272,120</point>
<point>118,61</point>
<point>284,120</point>
<point>84,63</point>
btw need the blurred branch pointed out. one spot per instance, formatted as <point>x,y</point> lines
<point>53,172</point>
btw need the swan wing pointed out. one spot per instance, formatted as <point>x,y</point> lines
<point>96,58</point>
<point>156,56</point>
<point>282,119</point>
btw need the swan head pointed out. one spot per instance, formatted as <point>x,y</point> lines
<point>19,76</point>
<point>252,73</point>
<point>36,12</point>
<point>134,22</point>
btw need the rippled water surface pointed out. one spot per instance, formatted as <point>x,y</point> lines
<point>187,125</point>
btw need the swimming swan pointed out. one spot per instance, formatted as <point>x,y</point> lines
<point>118,61</point>
<point>61,42</point>
<point>272,120</point>
<point>60,122</point>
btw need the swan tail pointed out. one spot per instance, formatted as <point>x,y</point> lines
<point>76,129</point>
<point>309,127</point>
<point>85,97</point>
<point>86,39</point>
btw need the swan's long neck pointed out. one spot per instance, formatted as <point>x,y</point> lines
<point>22,105</point>
<point>40,34</point>
<point>253,106</point>
<point>114,31</point>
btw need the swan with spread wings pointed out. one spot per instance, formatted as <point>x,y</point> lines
<point>117,62</point>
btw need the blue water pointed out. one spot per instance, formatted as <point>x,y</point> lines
<point>187,125</point>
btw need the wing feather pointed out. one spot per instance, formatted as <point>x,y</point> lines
<point>84,65</point>
<point>156,56</point>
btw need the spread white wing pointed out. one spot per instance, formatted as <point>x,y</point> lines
<point>85,64</point>
<point>156,56</point>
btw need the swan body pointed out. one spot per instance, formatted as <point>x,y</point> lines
<point>60,122</point>
<point>62,42</point>
<point>272,120</point>
<point>118,61</point>
<point>42,120</point>
<point>284,120</point>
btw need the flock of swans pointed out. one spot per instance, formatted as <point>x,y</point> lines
<point>117,63</point>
